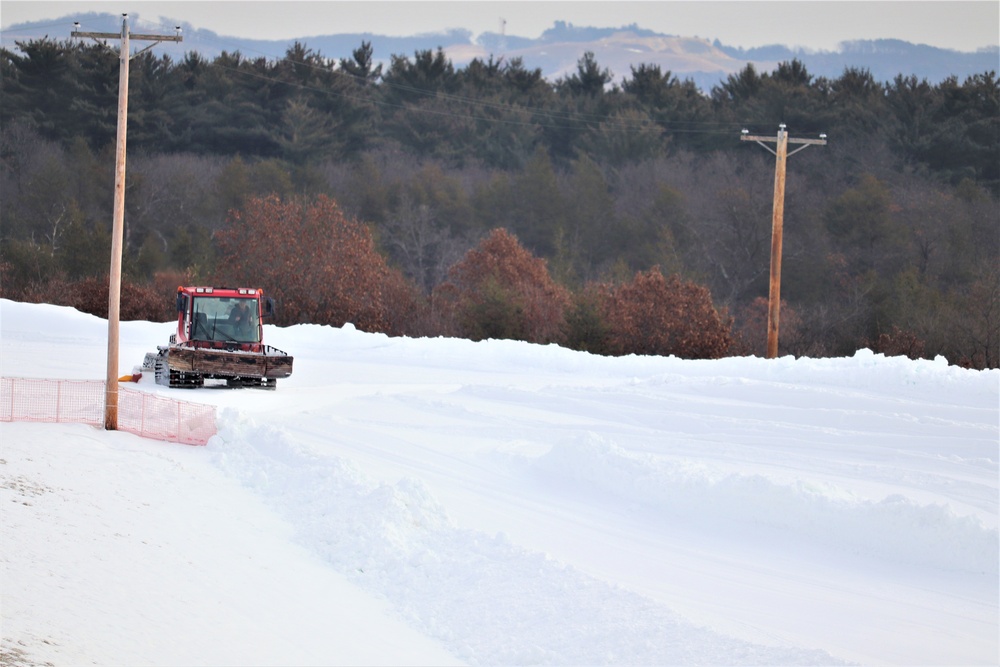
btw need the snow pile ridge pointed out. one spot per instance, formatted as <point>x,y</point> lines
<point>895,528</point>
<point>486,599</point>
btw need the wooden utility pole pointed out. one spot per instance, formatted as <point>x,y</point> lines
<point>777,223</point>
<point>115,284</point>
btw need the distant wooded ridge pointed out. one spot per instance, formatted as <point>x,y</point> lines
<point>558,49</point>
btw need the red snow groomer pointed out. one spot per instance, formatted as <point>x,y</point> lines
<point>219,337</point>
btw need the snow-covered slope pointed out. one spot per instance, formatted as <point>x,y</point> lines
<point>402,501</point>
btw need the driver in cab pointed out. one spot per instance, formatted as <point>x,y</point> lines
<point>240,318</point>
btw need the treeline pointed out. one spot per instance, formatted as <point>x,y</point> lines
<point>306,108</point>
<point>891,229</point>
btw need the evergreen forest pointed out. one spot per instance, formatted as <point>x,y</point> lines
<point>611,213</point>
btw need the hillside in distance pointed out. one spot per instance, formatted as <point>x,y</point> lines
<point>557,51</point>
<point>619,50</point>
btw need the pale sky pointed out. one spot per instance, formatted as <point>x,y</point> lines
<point>814,24</point>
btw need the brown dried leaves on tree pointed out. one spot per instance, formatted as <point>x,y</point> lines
<point>500,290</point>
<point>665,316</point>
<point>322,267</point>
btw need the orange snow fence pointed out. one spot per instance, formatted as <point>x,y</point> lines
<point>82,401</point>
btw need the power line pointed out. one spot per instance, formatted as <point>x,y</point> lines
<point>559,117</point>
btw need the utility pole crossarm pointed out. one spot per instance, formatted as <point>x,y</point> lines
<point>155,39</point>
<point>132,35</point>
<point>806,143</point>
<point>791,140</point>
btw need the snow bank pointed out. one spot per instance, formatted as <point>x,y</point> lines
<point>895,528</point>
<point>865,371</point>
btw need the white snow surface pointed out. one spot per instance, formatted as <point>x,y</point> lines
<point>441,501</point>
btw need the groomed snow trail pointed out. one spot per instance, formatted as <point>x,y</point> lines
<point>744,496</point>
